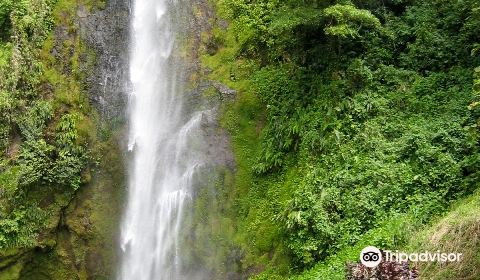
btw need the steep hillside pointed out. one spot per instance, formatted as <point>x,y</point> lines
<point>355,124</point>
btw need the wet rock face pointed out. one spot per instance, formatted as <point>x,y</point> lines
<point>106,32</point>
<point>218,149</point>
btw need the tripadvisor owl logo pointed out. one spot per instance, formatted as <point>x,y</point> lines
<point>370,256</point>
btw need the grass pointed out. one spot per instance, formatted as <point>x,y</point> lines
<point>458,231</point>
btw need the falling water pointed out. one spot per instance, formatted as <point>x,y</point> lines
<point>162,162</point>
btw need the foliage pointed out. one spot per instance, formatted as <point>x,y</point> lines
<point>346,21</point>
<point>44,152</point>
<point>5,10</point>
<point>34,121</point>
<point>368,113</point>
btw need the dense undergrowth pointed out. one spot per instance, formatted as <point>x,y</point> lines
<point>355,124</point>
<point>46,122</point>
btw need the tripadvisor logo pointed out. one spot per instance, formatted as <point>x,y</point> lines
<point>371,256</point>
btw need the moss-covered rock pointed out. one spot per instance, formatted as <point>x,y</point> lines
<point>75,233</point>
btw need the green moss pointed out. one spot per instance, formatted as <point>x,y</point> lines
<point>66,10</point>
<point>12,272</point>
<point>212,243</point>
<point>47,266</point>
<point>84,226</point>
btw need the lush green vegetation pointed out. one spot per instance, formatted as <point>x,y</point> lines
<point>355,124</point>
<point>46,136</point>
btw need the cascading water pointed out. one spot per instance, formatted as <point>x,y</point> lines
<point>162,161</point>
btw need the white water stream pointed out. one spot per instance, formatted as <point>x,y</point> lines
<point>161,160</point>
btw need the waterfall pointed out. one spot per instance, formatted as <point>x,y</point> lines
<point>162,161</point>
